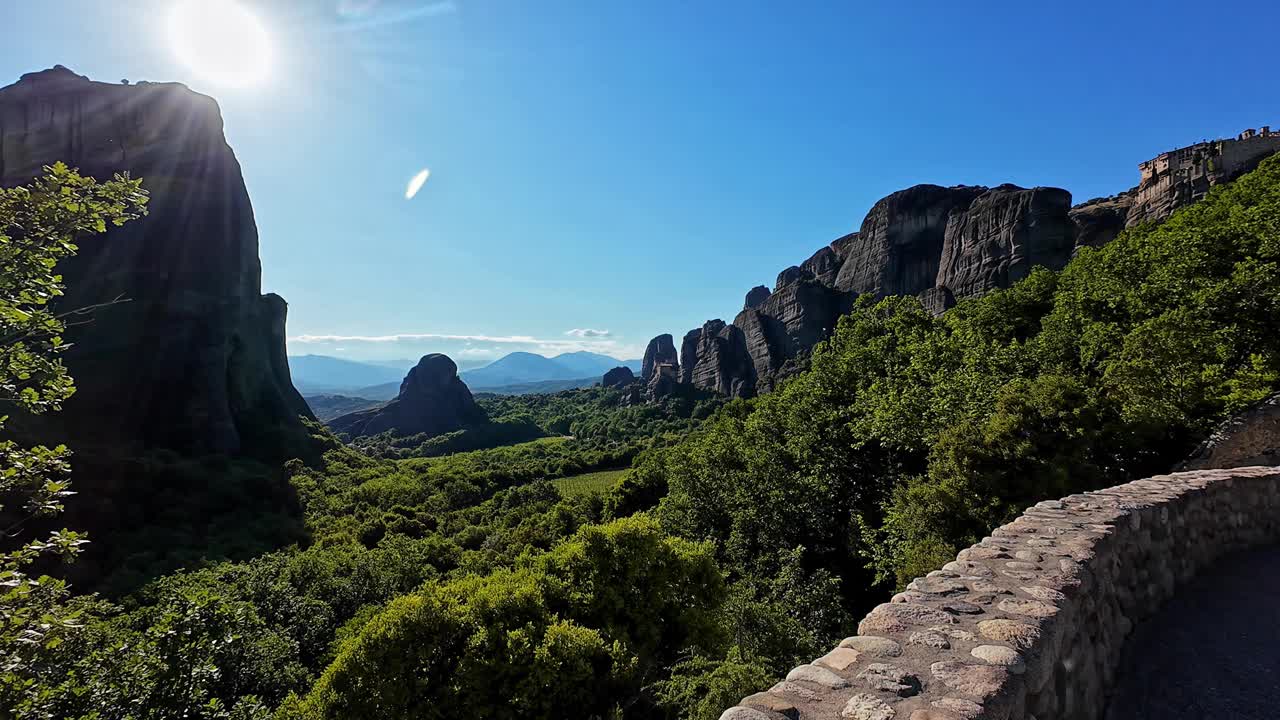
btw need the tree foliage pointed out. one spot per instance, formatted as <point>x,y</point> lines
<point>40,224</point>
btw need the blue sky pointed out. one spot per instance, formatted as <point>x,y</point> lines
<point>633,168</point>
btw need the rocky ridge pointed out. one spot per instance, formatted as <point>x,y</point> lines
<point>942,245</point>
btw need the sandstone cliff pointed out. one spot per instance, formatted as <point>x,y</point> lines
<point>195,359</point>
<point>432,400</point>
<point>1098,221</point>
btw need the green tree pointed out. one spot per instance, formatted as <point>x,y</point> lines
<point>40,225</point>
<point>580,632</point>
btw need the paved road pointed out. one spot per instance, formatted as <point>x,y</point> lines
<point>1212,652</point>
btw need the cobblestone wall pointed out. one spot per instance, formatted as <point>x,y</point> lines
<point>1030,622</point>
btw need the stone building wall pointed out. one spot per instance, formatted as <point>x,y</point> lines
<point>1183,176</point>
<point>1031,622</point>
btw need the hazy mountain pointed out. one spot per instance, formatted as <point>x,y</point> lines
<point>541,387</point>
<point>520,368</point>
<point>403,364</point>
<point>381,392</point>
<point>328,407</point>
<point>379,380</point>
<point>586,364</point>
<point>319,373</point>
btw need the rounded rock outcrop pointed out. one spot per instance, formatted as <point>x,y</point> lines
<point>618,377</point>
<point>432,400</point>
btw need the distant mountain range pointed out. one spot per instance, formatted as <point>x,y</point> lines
<point>541,387</point>
<point>380,380</point>
<point>523,367</point>
<point>316,374</point>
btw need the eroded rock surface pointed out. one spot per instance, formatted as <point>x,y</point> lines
<point>946,244</point>
<point>195,359</point>
<point>1098,221</point>
<point>714,357</point>
<point>899,248</point>
<point>755,297</point>
<point>1250,438</point>
<point>1001,235</point>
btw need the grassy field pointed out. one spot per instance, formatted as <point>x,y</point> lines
<point>588,483</point>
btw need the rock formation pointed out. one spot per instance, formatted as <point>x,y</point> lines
<point>661,351</point>
<point>899,248</point>
<point>825,264</point>
<point>195,359</point>
<point>662,384</point>
<point>942,245</point>
<point>618,377</point>
<point>1098,221</point>
<point>756,297</point>
<point>432,400</point>
<point>714,357</point>
<point>1250,438</point>
<point>1001,235</point>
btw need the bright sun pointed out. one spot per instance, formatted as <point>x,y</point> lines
<point>221,40</point>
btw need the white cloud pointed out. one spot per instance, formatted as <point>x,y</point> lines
<point>403,337</point>
<point>598,341</point>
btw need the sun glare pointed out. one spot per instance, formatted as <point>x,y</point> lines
<point>220,40</point>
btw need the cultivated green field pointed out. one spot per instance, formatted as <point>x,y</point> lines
<point>588,483</point>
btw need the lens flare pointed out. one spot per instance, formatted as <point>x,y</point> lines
<point>416,184</point>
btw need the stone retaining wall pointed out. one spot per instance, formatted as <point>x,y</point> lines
<point>1031,622</point>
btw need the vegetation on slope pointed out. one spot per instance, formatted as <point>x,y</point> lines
<point>606,432</point>
<point>467,586</point>
<point>595,483</point>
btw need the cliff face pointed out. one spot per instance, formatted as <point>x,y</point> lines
<point>1098,222</point>
<point>714,358</point>
<point>194,360</point>
<point>1001,235</point>
<point>899,248</point>
<point>432,400</point>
